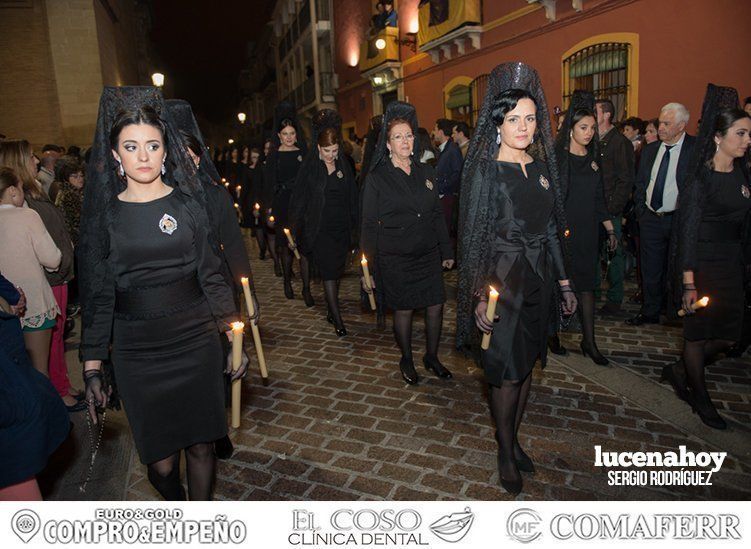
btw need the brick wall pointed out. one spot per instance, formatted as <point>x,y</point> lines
<point>29,106</point>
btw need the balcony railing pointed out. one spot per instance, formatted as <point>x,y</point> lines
<point>438,20</point>
<point>323,10</point>
<point>371,57</point>
<point>327,84</point>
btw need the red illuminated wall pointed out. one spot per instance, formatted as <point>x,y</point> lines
<point>683,44</point>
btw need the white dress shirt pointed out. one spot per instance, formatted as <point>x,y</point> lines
<point>670,195</point>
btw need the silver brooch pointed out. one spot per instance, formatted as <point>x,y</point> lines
<point>339,174</point>
<point>595,167</point>
<point>745,192</point>
<point>299,158</point>
<point>544,182</point>
<point>429,184</point>
<point>168,224</point>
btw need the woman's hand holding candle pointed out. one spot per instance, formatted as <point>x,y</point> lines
<point>291,242</point>
<point>367,282</point>
<point>486,323</point>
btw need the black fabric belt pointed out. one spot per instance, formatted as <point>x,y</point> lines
<point>661,214</point>
<point>158,300</point>
<point>717,231</point>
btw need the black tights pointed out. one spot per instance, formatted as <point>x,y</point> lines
<point>331,292</point>
<point>587,317</point>
<point>507,404</point>
<point>262,240</point>
<point>695,356</point>
<point>403,330</point>
<point>287,259</point>
<point>164,474</point>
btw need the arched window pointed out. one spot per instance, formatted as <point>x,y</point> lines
<point>608,66</point>
<point>457,104</point>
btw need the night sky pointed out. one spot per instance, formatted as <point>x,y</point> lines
<point>202,46</point>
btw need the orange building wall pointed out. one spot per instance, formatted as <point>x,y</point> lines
<point>683,45</point>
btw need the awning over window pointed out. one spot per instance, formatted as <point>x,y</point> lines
<point>613,58</point>
<point>458,97</point>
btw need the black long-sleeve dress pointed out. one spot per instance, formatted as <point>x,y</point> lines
<point>159,308</point>
<point>279,178</point>
<point>715,246</point>
<point>528,262</point>
<point>585,211</point>
<point>404,232</point>
<point>324,216</point>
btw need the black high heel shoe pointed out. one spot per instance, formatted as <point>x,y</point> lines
<point>524,463</point>
<point>555,347</point>
<point>408,371</point>
<point>432,363</point>
<point>679,385</point>
<point>594,354</point>
<point>340,332</point>
<point>702,404</point>
<point>307,297</point>
<point>513,487</point>
<point>223,448</point>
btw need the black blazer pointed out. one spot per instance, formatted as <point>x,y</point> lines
<point>646,163</point>
<point>403,219</point>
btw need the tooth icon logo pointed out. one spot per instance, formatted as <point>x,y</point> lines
<point>25,523</point>
<point>452,528</point>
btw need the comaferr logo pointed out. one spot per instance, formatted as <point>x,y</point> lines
<point>643,527</point>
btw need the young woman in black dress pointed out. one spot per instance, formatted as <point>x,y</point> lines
<point>714,245</point>
<point>581,185</point>
<point>512,214</point>
<point>152,290</point>
<point>405,238</point>
<point>324,210</point>
<point>279,176</point>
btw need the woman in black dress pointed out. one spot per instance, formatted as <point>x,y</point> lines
<point>511,217</point>
<point>581,185</point>
<point>324,209</point>
<point>152,289</point>
<point>279,176</point>
<point>714,245</point>
<point>404,236</point>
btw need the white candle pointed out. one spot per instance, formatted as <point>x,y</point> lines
<point>700,304</point>
<point>237,348</point>
<point>250,305</point>
<point>369,280</point>
<point>490,315</point>
<point>291,241</point>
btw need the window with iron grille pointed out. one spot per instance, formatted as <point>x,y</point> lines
<point>476,96</point>
<point>603,70</point>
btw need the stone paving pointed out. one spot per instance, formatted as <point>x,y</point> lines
<point>336,421</point>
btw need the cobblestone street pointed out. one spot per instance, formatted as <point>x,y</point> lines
<point>336,421</point>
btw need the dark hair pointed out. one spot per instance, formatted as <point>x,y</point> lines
<point>67,166</point>
<point>55,148</point>
<point>581,113</point>
<point>255,150</point>
<point>328,137</point>
<point>507,102</point>
<point>747,100</point>
<point>141,115</point>
<point>606,105</point>
<point>636,123</point>
<point>8,179</point>
<point>74,150</point>
<point>393,122</point>
<point>654,121</point>
<point>463,127</point>
<point>426,144</point>
<point>192,142</point>
<point>286,122</point>
<point>445,125</point>
<point>725,118</point>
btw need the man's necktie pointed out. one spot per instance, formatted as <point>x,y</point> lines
<point>662,175</point>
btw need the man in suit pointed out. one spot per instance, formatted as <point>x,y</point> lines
<point>617,163</point>
<point>460,135</point>
<point>661,177</point>
<point>448,171</point>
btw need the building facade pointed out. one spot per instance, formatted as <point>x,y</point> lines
<point>640,53</point>
<point>57,54</point>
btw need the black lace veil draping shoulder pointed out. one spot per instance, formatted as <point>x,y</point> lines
<point>404,111</point>
<point>475,215</point>
<point>683,245</point>
<point>580,100</point>
<point>182,114</point>
<point>371,140</point>
<point>104,184</point>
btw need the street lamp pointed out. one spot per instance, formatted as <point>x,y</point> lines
<point>380,43</point>
<point>241,117</point>
<point>157,79</point>
<point>230,141</point>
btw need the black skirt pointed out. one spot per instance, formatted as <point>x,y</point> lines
<point>411,281</point>
<point>720,277</point>
<point>168,372</point>
<point>330,253</point>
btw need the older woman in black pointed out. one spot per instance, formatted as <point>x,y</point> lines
<point>405,237</point>
<point>715,246</point>
<point>582,188</point>
<point>324,210</point>
<point>279,177</point>
<point>512,214</point>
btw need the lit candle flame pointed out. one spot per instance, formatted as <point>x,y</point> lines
<point>271,218</point>
<point>238,326</point>
<point>493,292</point>
<point>704,301</point>
<point>363,261</point>
<point>257,206</point>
